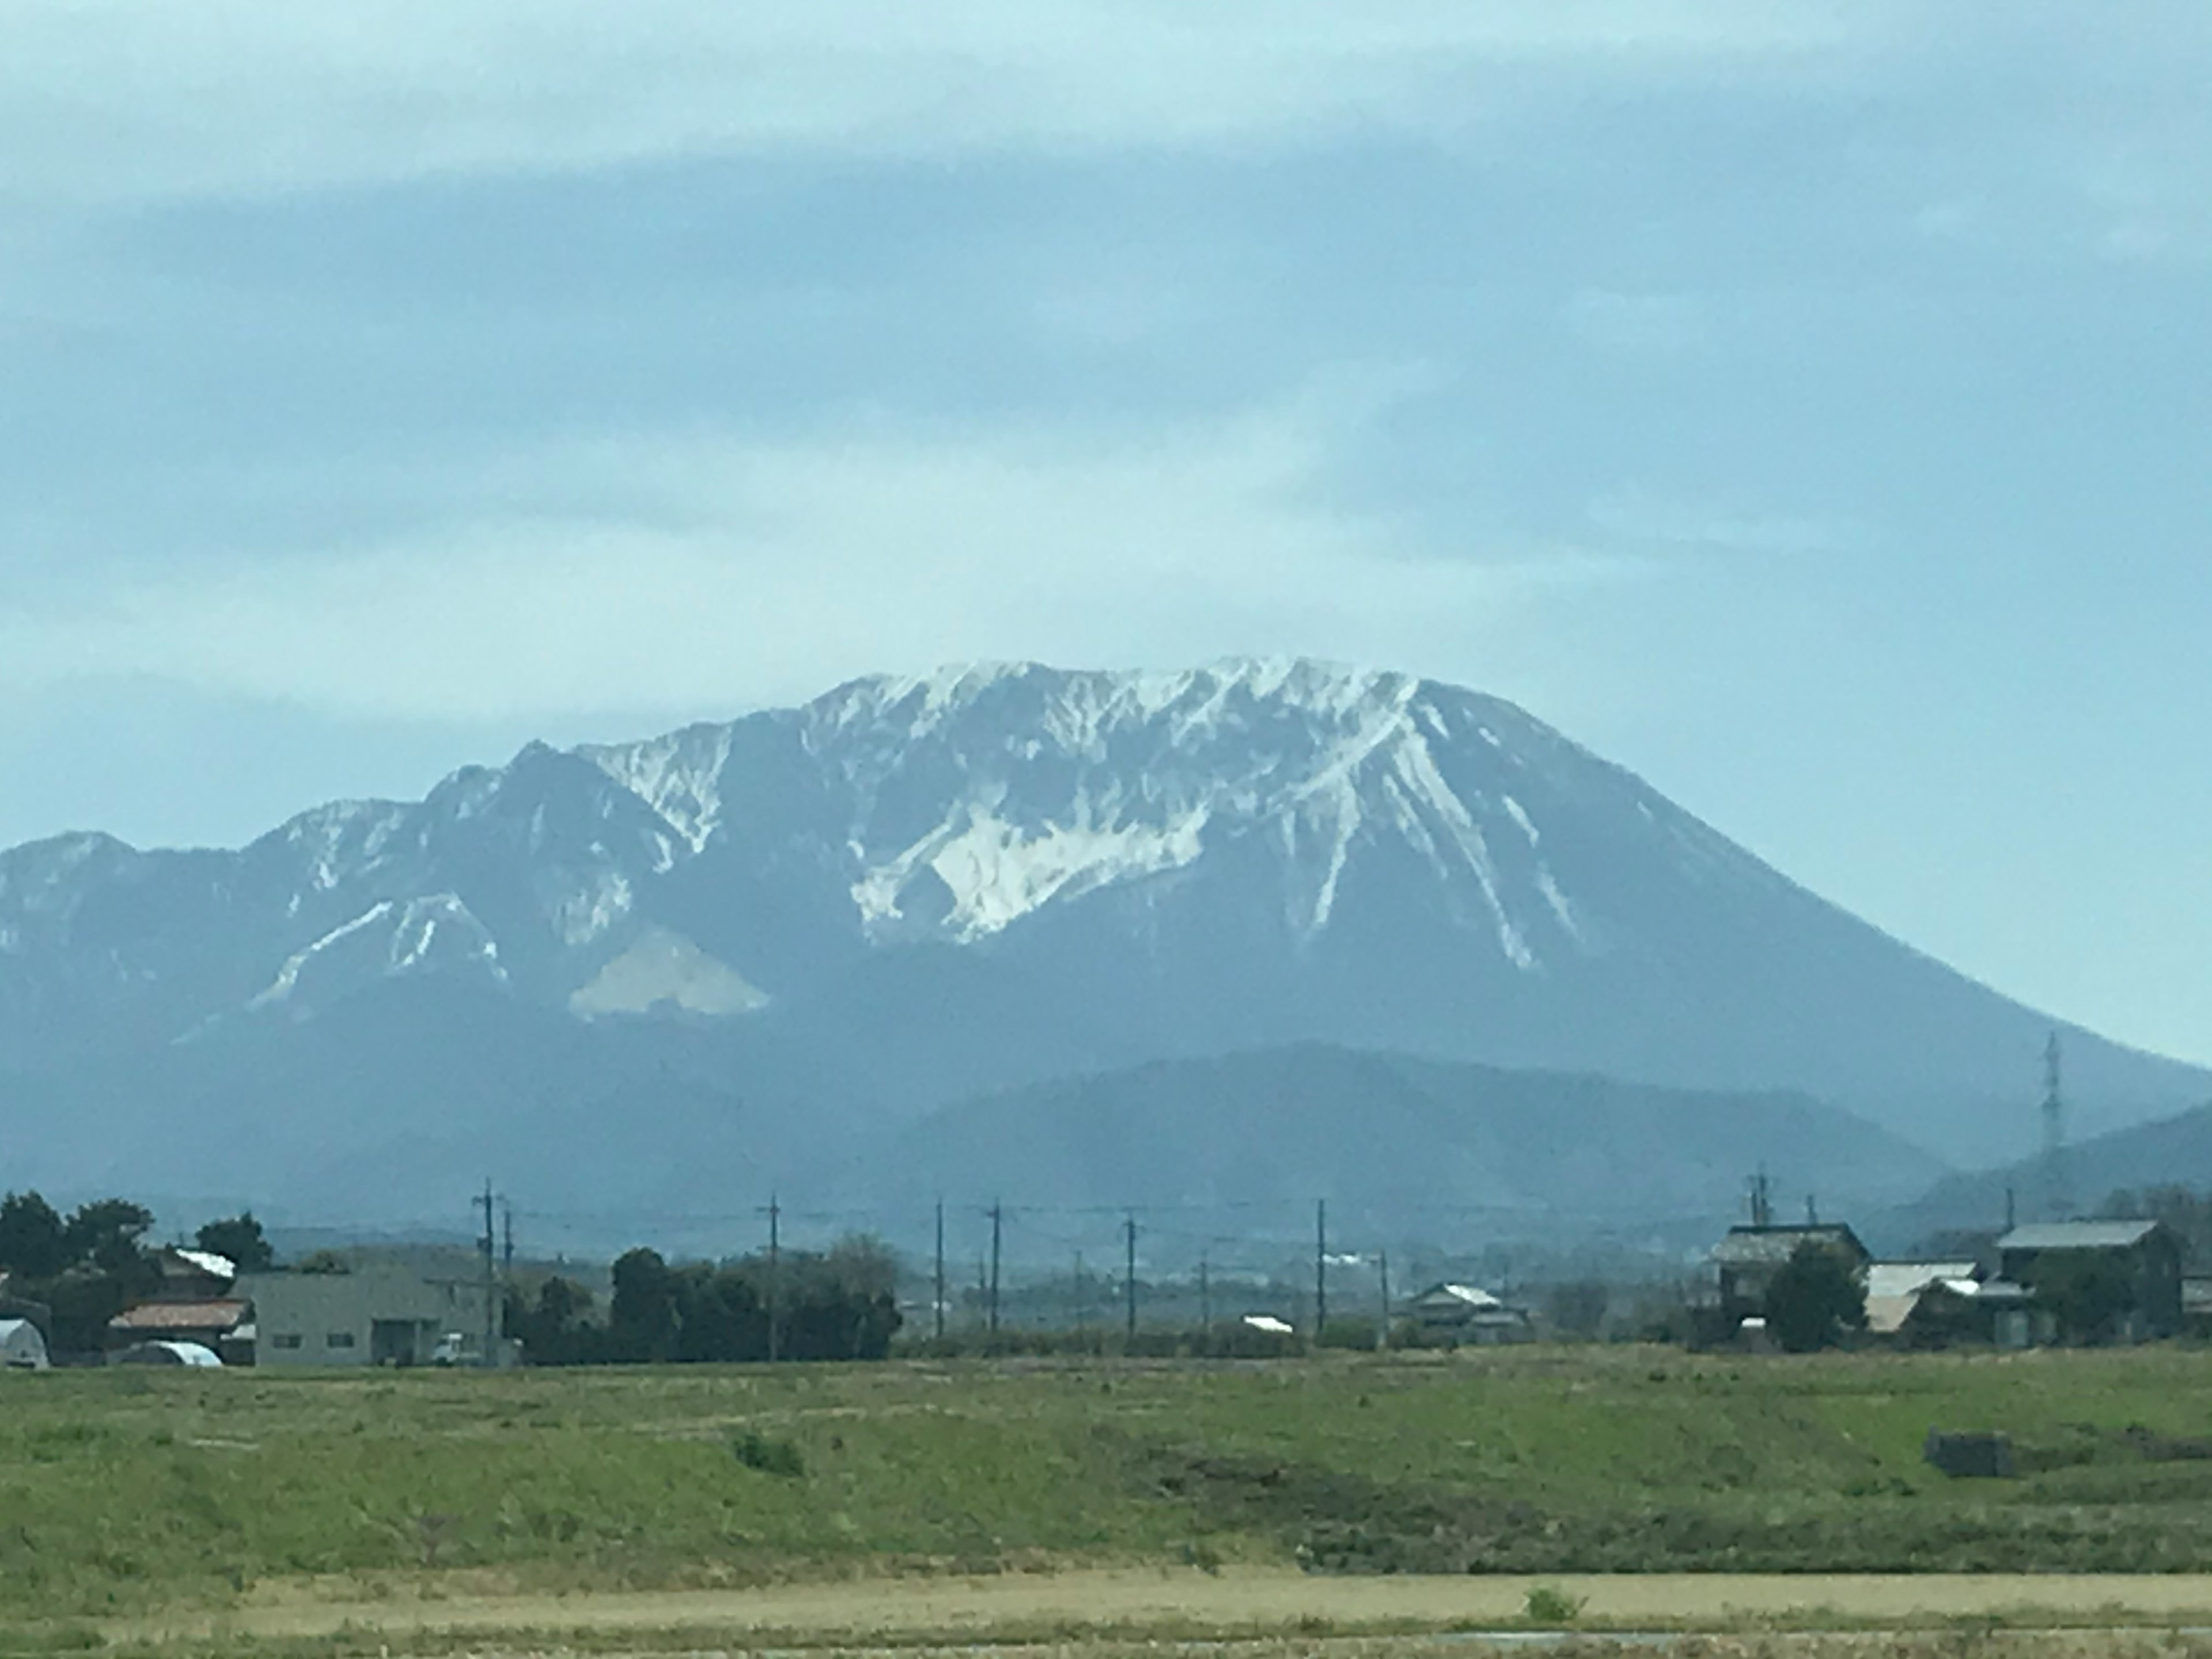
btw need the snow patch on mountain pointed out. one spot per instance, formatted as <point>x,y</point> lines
<point>997,872</point>
<point>678,775</point>
<point>341,842</point>
<point>594,908</point>
<point>390,938</point>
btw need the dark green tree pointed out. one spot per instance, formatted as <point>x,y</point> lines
<point>2086,1292</point>
<point>641,1320</point>
<point>105,1235</point>
<point>556,1329</point>
<point>720,1315</point>
<point>81,1303</point>
<point>241,1238</point>
<point>33,1239</point>
<point>1815,1300</point>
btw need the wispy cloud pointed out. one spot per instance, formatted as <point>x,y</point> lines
<point>107,97</point>
<point>738,573</point>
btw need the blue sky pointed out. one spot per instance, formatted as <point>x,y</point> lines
<point>1803,403</point>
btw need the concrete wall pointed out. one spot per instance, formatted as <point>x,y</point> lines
<point>379,1314</point>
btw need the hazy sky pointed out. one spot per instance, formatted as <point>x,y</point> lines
<point>1808,404</point>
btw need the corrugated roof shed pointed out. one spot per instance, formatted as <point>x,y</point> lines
<point>1893,1289</point>
<point>2078,1236</point>
<point>1903,1278</point>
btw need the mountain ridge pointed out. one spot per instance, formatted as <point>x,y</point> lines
<point>933,886</point>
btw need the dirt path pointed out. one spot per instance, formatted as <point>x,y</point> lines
<point>1235,1600</point>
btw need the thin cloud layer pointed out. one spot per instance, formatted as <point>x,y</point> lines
<point>743,574</point>
<point>109,99</point>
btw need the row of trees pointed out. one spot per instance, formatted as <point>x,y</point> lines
<point>85,1268</point>
<point>841,1303</point>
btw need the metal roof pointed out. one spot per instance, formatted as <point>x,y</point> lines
<point>180,1316</point>
<point>2078,1236</point>
<point>1905,1278</point>
<point>214,1266</point>
<point>1773,1246</point>
<point>170,1353</point>
<point>1460,1296</point>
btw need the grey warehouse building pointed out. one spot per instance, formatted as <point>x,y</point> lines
<point>377,1314</point>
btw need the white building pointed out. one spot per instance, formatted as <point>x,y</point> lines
<point>22,1348</point>
<point>378,1312</point>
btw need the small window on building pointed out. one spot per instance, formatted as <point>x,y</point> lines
<point>285,1339</point>
<point>338,1340</point>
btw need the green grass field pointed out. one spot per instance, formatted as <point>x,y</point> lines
<point>124,1491</point>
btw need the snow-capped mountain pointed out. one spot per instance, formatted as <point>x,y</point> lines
<point>914,889</point>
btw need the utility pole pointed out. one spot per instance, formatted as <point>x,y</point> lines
<point>1320,1269</point>
<point>1205,1294</point>
<point>1383,1260</point>
<point>775,1278</point>
<point>489,1246</point>
<point>998,1225</point>
<point>940,1270</point>
<point>1762,1201</point>
<point>1129,1273</point>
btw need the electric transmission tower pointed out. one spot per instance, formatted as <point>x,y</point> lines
<point>2057,1201</point>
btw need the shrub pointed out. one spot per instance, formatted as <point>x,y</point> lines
<point>768,1455</point>
<point>1548,1604</point>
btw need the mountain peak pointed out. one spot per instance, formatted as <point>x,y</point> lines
<point>945,873</point>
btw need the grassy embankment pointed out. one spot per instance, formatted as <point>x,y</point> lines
<point>124,1491</point>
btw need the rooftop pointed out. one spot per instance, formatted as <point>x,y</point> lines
<point>206,1262</point>
<point>2078,1236</point>
<point>1903,1278</point>
<point>1464,1295</point>
<point>180,1316</point>
<point>1762,1246</point>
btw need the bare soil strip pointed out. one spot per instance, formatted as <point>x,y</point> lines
<point>1240,1600</point>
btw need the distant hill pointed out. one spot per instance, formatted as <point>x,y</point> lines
<point>2172,1152</point>
<point>1398,1147</point>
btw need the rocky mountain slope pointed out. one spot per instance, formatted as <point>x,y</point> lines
<point>912,891</point>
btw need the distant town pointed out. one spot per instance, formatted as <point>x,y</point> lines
<point>92,1287</point>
